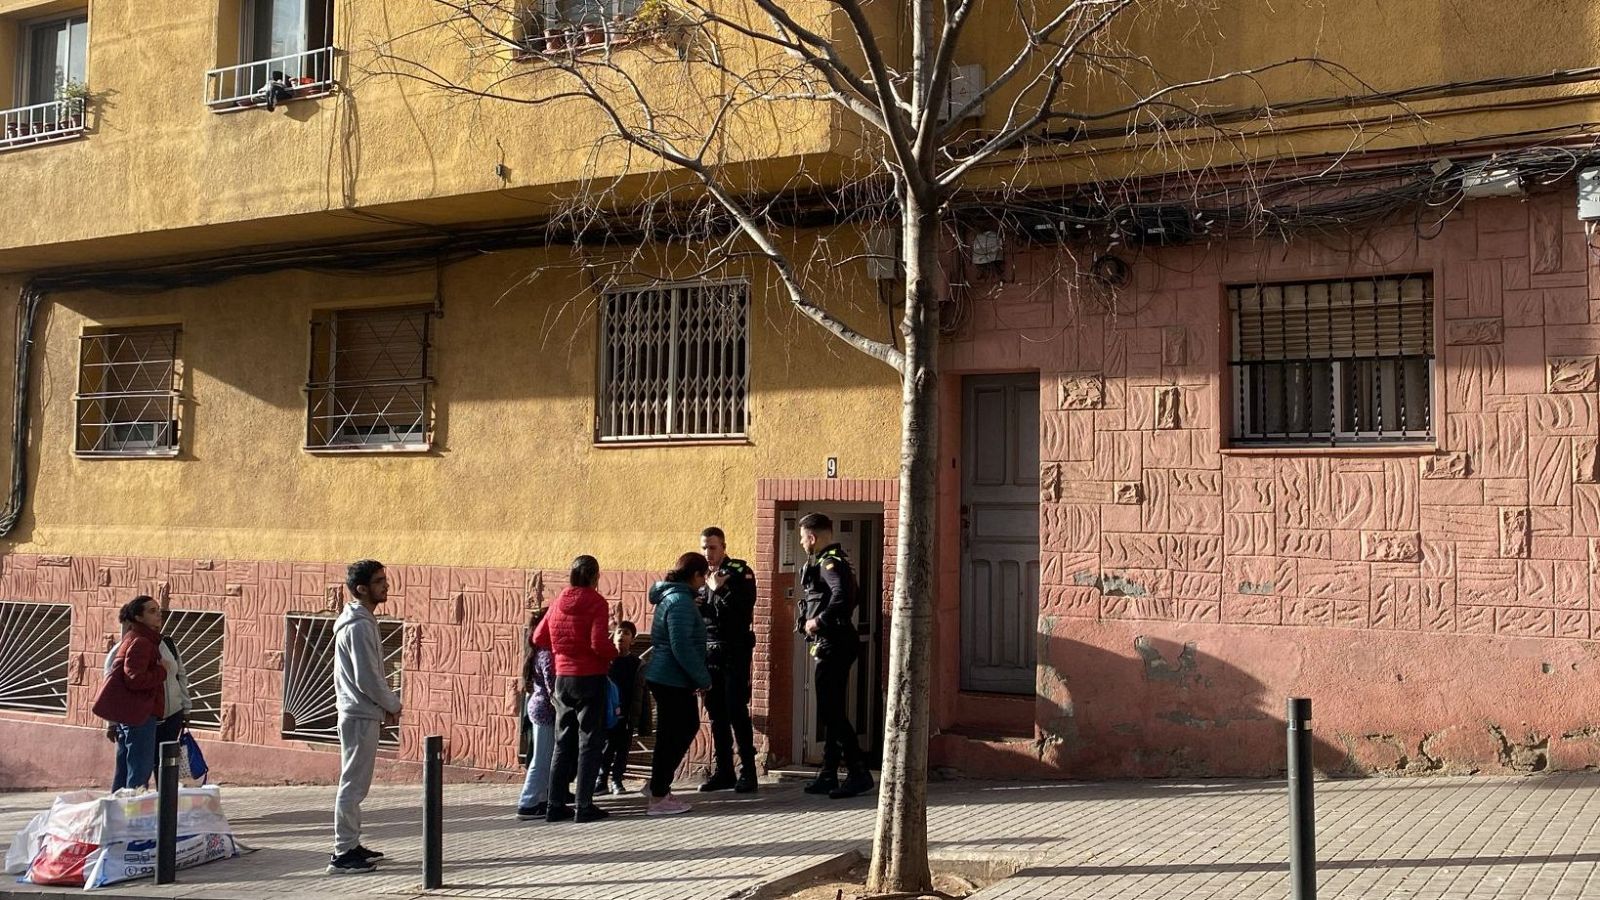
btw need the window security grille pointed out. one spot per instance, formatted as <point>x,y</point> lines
<point>674,363</point>
<point>1333,362</point>
<point>35,644</point>
<point>309,709</point>
<point>368,387</point>
<point>128,392</point>
<point>198,636</point>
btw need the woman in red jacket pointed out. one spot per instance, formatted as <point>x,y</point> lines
<point>138,665</point>
<point>577,631</point>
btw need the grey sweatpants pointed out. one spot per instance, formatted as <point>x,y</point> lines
<point>358,750</point>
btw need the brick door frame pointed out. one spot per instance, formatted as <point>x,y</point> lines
<point>772,695</point>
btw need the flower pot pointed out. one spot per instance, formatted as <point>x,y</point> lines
<point>594,34</point>
<point>554,39</point>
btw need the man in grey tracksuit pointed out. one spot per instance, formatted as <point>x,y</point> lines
<point>366,704</point>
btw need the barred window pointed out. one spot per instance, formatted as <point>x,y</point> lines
<point>128,392</point>
<point>35,644</point>
<point>674,363</point>
<point>310,712</point>
<point>198,637</point>
<point>1333,362</point>
<point>370,380</point>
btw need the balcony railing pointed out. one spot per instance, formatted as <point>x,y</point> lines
<point>41,123</point>
<point>269,82</point>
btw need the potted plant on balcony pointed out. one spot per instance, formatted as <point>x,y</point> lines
<point>74,97</point>
<point>554,39</point>
<point>594,34</point>
<point>653,15</point>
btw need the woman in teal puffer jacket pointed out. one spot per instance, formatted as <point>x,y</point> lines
<point>677,671</point>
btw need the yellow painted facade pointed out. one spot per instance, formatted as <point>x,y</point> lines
<point>516,478</point>
<point>161,174</point>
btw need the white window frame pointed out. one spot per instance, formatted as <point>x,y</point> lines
<point>201,637</point>
<point>308,682</point>
<point>25,51</point>
<point>132,439</point>
<point>35,656</point>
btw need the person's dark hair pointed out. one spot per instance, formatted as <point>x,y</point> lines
<point>689,565</point>
<point>816,522</point>
<point>714,531</point>
<point>360,574</point>
<point>133,608</point>
<point>629,627</point>
<point>585,572</point>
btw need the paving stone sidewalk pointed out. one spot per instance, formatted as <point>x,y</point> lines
<point>1529,838</point>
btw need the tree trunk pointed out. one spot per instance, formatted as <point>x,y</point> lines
<point>900,844</point>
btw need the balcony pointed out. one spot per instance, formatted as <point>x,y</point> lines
<point>268,82</point>
<point>41,123</point>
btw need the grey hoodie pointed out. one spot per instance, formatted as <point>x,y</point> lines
<point>358,683</point>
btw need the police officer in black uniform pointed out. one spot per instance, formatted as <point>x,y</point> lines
<point>728,602</point>
<point>826,616</point>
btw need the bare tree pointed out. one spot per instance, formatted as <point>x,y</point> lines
<point>700,84</point>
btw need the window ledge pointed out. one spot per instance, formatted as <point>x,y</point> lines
<point>236,106</point>
<point>1419,448</point>
<point>34,715</point>
<point>675,442</point>
<point>377,449</point>
<point>170,453</point>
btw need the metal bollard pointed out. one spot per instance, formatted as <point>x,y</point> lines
<point>167,813</point>
<point>1302,812</point>
<point>433,812</point>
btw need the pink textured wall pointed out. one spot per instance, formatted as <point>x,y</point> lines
<point>462,654</point>
<point>1436,604</point>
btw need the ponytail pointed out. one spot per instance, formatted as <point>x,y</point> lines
<point>689,565</point>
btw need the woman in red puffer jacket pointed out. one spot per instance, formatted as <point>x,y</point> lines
<point>140,706</point>
<point>577,630</point>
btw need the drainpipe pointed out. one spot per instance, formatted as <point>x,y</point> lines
<point>22,388</point>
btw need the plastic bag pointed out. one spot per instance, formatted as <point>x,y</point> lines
<point>60,861</point>
<point>125,861</point>
<point>25,846</point>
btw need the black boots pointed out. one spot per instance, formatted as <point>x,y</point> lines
<point>826,782</point>
<point>746,783</point>
<point>720,780</point>
<point>857,782</point>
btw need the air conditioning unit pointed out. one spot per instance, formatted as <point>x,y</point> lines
<point>965,84</point>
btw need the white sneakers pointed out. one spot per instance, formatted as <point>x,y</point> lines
<point>667,806</point>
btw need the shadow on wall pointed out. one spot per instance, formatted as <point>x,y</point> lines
<point>1161,710</point>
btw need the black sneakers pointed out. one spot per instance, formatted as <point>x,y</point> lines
<point>859,781</point>
<point>532,813</point>
<point>590,813</point>
<point>350,863</point>
<point>720,780</point>
<point>747,781</point>
<point>367,854</point>
<point>826,782</point>
<point>557,812</point>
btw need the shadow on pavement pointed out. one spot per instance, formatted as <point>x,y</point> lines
<point>1322,865</point>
